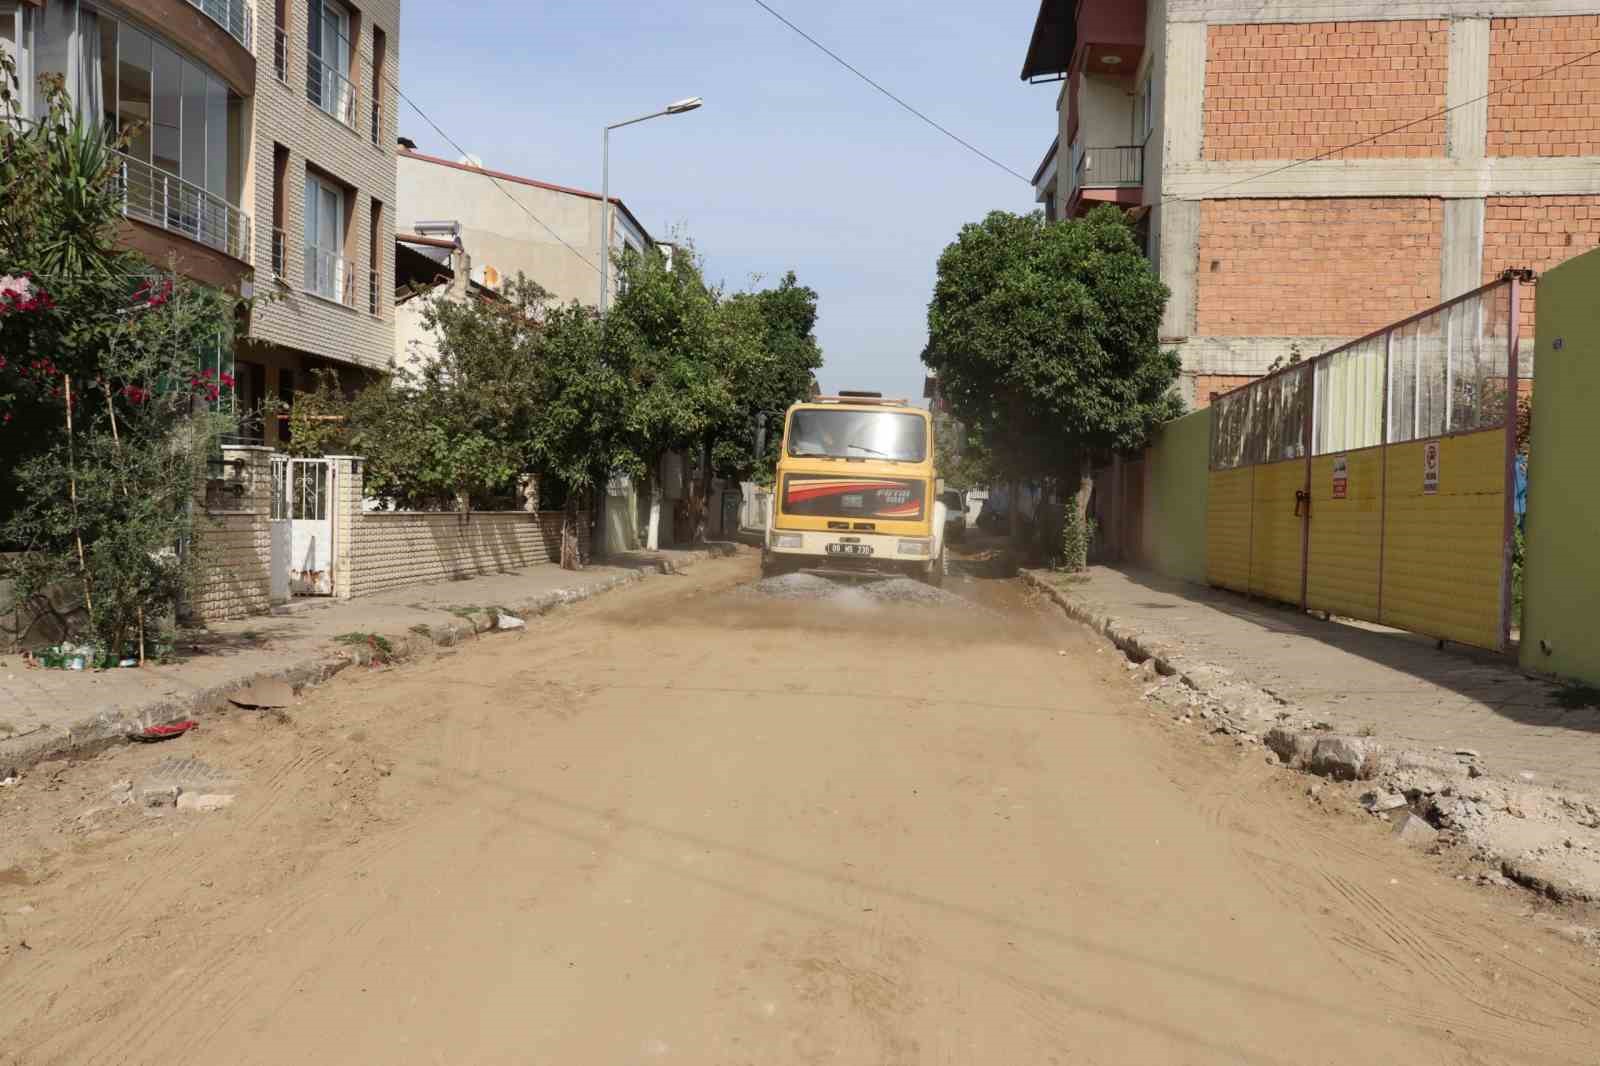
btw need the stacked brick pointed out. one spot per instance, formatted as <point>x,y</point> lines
<point>1534,113</point>
<point>1276,91</point>
<point>1315,267</point>
<point>1537,232</point>
<point>233,539</point>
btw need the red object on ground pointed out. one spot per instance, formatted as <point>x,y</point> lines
<point>165,732</point>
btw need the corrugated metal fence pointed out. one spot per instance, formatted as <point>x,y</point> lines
<point>1375,481</point>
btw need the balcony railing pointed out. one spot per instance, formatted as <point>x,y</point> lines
<point>280,54</point>
<point>330,90</point>
<point>374,277</point>
<point>280,255</point>
<point>235,16</point>
<point>329,276</point>
<point>1102,168</point>
<point>152,195</point>
<point>377,125</point>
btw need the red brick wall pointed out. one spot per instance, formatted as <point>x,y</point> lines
<point>1209,386</point>
<point>1291,91</point>
<point>1557,114</point>
<point>1537,232</point>
<point>1332,267</point>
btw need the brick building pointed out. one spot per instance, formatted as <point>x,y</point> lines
<point>1441,153</point>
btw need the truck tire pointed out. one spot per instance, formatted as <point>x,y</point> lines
<point>934,575</point>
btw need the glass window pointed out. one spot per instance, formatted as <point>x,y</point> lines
<point>324,233</point>
<point>216,180</point>
<point>9,17</point>
<point>52,48</point>
<point>194,125</point>
<point>106,61</point>
<point>844,433</point>
<point>167,143</point>
<point>134,91</point>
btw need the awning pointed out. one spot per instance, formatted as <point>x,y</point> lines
<point>1054,38</point>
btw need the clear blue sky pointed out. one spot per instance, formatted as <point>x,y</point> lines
<point>792,163</point>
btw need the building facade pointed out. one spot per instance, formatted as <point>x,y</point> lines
<point>491,211</point>
<point>1434,143</point>
<point>260,161</point>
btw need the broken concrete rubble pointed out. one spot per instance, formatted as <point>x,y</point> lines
<point>1344,758</point>
<point>1415,831</point>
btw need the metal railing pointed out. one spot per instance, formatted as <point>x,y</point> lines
<point>235,16</point>
<point>279,255</point>
<point>280,54</point>
<point>330,276</point>
<point>374,277</point>
<point>377,125</point>
<point>1110,167</point>
<point>152,195</point>
<point>330,90</point>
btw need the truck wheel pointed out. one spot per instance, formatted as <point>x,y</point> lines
<point>772,566</point>
<point>934,575</point>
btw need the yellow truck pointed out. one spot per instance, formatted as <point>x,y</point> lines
<point>856,492</point>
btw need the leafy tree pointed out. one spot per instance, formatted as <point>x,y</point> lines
<point>773,369</point>
<point>1047,334</point>
<point>456,430</point>
<point>665,331</point>
<point>108,424</point>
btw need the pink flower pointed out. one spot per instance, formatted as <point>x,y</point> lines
<point>227,380</point>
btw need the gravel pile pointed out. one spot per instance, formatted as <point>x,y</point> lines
<point>847,592</point>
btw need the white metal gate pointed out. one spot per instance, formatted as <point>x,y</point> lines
<point>302,521</point>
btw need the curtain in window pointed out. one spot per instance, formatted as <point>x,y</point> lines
<point>91,79</point>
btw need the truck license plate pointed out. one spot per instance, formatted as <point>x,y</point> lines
<point>849,549</point>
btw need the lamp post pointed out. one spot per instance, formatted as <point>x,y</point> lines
<point>679,108</point>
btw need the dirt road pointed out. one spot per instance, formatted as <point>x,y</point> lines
<point>693,823</point>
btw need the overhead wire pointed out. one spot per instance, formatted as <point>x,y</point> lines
<point>451,141</point>
<point>837,58</point>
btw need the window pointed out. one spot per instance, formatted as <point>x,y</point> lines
<point>380,52</point>
<point>375,266</point>
<point>14,42</point>
<point>843,433</point>
<point>325,230</point>
<point>135,89</point>
<point>328,59</point>
<point>280,178</point>
<point>1147,108</point>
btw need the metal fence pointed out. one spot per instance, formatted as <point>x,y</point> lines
<point>166,200</point>
<point>329,89</point>
<point>1115,166</point>
<point>235,16</point>
<point>1440,372</point>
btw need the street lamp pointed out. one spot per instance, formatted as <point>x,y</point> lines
<point>678,108</point>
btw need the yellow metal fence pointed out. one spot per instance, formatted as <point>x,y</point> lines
<point>1375,481</point>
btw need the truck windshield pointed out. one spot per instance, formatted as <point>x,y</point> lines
<point>847,434</point>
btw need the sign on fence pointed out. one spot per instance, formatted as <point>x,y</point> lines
<point>1430,468</point>
<point>1341,477</point>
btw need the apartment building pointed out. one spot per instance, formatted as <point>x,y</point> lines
<point>494,217</point>
<point>260,161</point>
<point>1441,153</point>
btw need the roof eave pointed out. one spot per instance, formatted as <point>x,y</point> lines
<point>1054,38</point>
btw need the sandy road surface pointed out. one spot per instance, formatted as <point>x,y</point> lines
<point>691,824</point>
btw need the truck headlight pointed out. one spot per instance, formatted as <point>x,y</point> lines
<point>788,540</point>
<point>913,547</point>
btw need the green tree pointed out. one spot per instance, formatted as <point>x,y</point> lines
<point>456,430</point>
<point>108,422</point>
<point>664,329</point>
<point>774,366</point>
<point>1047,334</point>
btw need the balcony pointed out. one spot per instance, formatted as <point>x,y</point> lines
<point>235,16</point>
<point>330,90</point>
<point>166,201</point>
<point>1110,168</point>
<point>330,276</point>
<point>279,255</point>
<point>280,55</point>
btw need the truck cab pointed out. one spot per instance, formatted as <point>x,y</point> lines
<point>856,491</point>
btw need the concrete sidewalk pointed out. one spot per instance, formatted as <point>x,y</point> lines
<point>1356,677</point>
<point>48,712</point>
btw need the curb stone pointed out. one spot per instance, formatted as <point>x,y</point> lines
<point>1217,694</point>
<point>105,729</point>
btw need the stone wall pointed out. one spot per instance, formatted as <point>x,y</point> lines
<point>391,550</point>
<point>234,539</point>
